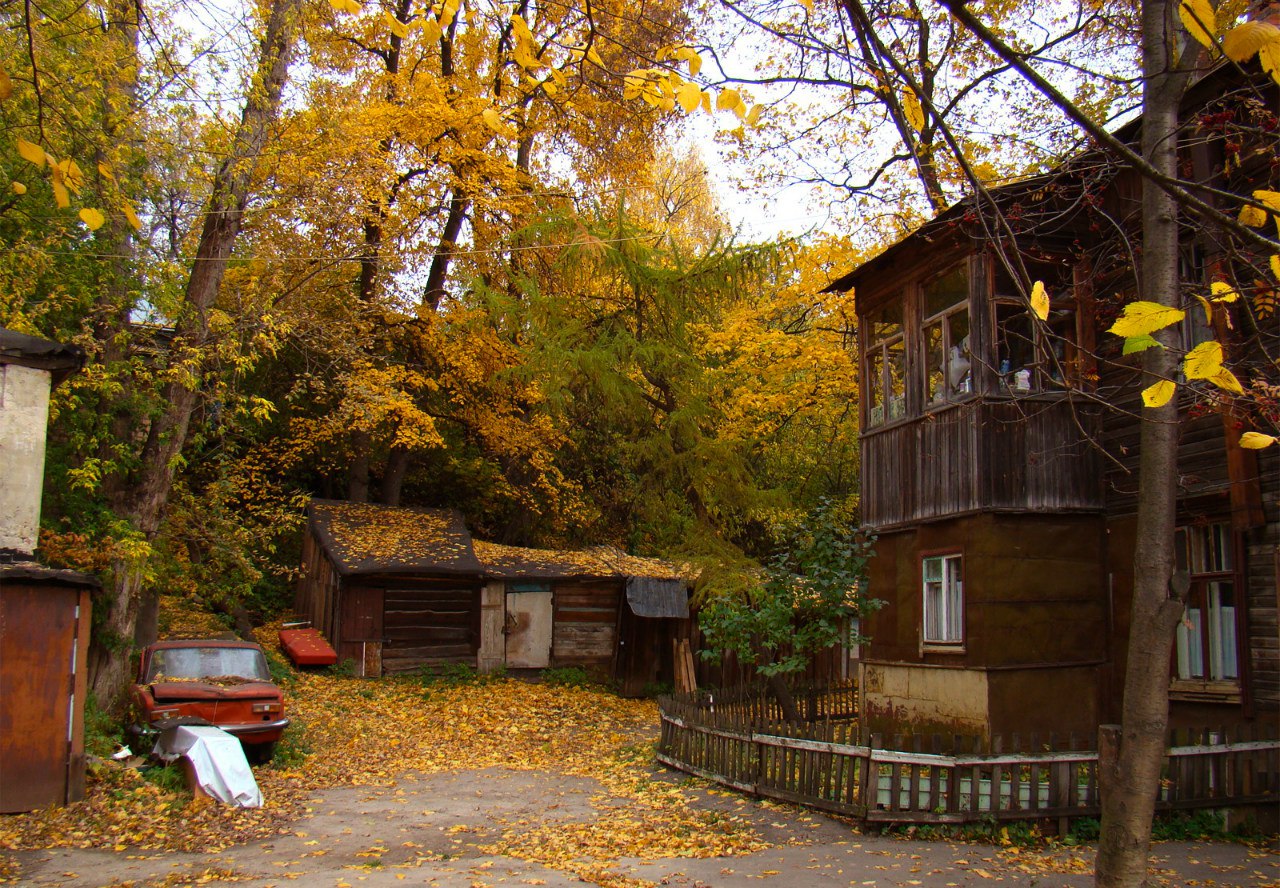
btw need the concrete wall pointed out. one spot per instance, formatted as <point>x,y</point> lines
<point>24,415</point>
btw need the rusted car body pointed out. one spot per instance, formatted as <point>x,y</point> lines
<point>222,683</point>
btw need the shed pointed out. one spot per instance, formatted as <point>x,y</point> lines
<point>44,612</point>
<point>393,589</point>
<point>600,609</point>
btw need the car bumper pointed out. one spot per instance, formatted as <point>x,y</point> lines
<point>256,732</point>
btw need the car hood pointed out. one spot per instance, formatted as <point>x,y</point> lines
<point>207,690</point>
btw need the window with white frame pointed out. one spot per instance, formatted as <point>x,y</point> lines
<point>943,581</point>
<point>1207,638</point>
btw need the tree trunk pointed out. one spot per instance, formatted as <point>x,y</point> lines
<point>1129,790</point>
<point>149,495</point>
<point>778,687</point>
<point>358,473</point>
<point>393,478</point>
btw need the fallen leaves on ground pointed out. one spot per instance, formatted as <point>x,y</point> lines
<point>361,732</point>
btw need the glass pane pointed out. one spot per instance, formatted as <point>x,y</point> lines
<point>1222,632</point>
<point>958,362</point>
<point>933,569</point>
<point>1194,667</point>
<point>934,364</point>
<point>950,289</point>
<point>887,321</point>
<point>1015,343</point>
<point>896,362</point>
<point>875,378</point>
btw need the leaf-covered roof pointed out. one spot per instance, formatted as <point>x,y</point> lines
<point>363,538</point>
<point>514,562</point>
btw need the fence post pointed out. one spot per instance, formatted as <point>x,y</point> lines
<point>1108,757</point>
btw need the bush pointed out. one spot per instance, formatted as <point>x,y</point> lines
<point>568,677</point>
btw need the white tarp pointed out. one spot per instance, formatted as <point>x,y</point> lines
<point>218,761</point>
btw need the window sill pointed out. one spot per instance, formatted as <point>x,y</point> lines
<point>943,647</point>
<point>1193,691</point>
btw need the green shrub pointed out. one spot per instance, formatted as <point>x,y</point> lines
<point>568,677</point>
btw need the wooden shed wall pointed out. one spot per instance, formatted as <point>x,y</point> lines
<point>316,597</point>
<point>585,623</point>
<point>428,621</point>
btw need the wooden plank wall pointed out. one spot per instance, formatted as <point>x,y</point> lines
<point>1023,454</point>
<point>585,623</point>
<point>428,623</point>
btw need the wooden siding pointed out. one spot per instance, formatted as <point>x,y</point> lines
<point>428,624</point>
<point>585,628</point>
<point>1025,454</point>
<point>316,598</point>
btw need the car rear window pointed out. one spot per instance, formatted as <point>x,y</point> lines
<point>208,662</point>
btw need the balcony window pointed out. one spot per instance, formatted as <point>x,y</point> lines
<point>947,362</point>
<point>885,365</point>
<point>943,582</point>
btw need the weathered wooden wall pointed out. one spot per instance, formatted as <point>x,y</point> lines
<point>1027,454</point>
<point>429,622</point>
<point>585,627</point>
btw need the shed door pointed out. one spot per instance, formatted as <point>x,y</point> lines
<point>529,629</point>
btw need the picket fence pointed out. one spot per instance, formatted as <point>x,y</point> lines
<point>740,738</point>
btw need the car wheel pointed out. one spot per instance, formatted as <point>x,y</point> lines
<point>259,753</point>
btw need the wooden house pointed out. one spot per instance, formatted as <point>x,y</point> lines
<point>999,465</point>
<point>398,589</point>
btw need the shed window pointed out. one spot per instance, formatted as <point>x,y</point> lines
<point>943,580</point>
<point>1207,637</point>
<point>886,365</point>
<point>947,361</point>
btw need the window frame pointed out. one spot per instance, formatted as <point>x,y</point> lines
<point>876,352</point>
<point>1184,682</point>
<point>954,616</point>
<point>946,317</point>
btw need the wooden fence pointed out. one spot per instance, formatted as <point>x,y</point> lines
<point>739,738</point>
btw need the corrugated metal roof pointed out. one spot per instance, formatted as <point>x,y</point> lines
<point>651,597</point>
<point>364,538</point>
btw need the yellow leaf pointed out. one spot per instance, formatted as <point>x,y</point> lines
<point>1145,317</point>
<point>130,216</point>
<point>1245,40</point>
<point>1269,57</point>
<point>1199,20</point>
<point>6,86</point>
<point>807,4</point>
<point>104,170</point>
<point>74,175</point>
<point>706,102</point>
<point>593,56</point>
<point>60,196</point>
<point>1159,394</point>
<point>911,108</point>
<point>1223,292</point>
<point>690,97</point>
<point>92,218</point>
<point>1203,361</point>
<point>1252,216</point>
<point>19,188</point>
<point>549,87</point>
<point>494,121</point>
<point>1275,265</point>
<point>399,28</point>
<point>1040,300</point>
<point>753,117</point>
<point>728,99</point>
<point>32,153</point>
<point>1226,380</point>
<point>431,30</point>
<point>1256,440</point>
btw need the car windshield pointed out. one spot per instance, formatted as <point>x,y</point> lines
<point>208,662</point>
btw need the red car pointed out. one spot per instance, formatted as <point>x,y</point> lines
<point>221,683</point>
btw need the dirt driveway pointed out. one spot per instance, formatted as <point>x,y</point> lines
<point>465,830</point>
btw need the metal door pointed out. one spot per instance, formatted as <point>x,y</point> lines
<point>528,629</point>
